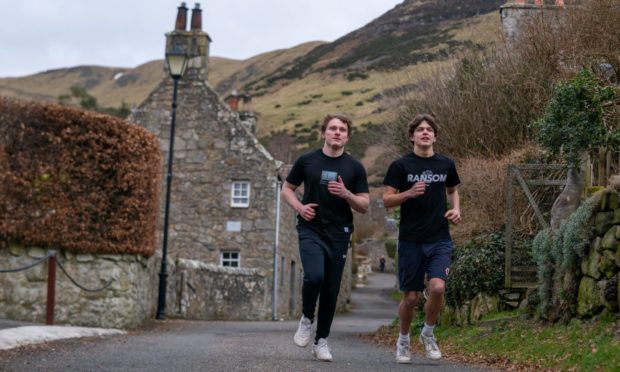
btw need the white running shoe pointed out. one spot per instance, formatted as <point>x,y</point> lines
<point>321,350</point>
<point>430,346</point>
<point>403,354</point>
<point>304,332</point>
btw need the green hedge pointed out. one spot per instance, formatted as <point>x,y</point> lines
<point>77,180</point>
<point>390,247</point>
<point>477,267</point>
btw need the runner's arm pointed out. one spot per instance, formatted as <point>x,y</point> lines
<point>454,214</point>
<point>306,211</point>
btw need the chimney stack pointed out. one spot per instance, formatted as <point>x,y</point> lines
<point>246,99</point>
<point>233,101</point>
<point>196,18</point>
<point>195,42</point>
<point>181,23</point>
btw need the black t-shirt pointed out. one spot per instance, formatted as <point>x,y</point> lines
<point>315,170</point>
<point>422,219</point>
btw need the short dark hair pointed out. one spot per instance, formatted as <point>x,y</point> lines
<point>342,117</point>
<point>418,119</point>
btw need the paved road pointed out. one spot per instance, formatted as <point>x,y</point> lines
<point>175,345</point>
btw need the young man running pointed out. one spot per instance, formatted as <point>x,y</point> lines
<point>334,183</point>
<point>418,182</point>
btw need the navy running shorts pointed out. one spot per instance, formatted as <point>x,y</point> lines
<point>417,259</point>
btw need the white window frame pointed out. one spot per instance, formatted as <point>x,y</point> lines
<point>242,197</point>
<point>230,260</point>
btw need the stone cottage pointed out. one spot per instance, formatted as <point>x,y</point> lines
<point>225,214</point>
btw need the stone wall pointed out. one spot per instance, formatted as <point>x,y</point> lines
<point>471,311</point>
<point>203,291</point>
<point>598,280</point>
<point>599,289</point>
<point>195,290</point>
<point>126,303</point>
<point>346,285</point>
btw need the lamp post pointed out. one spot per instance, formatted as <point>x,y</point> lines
<point>177,62</point>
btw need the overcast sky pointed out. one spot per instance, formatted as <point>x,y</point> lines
<point>38,35</point>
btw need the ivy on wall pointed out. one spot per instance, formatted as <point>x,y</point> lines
<point>558,256</point>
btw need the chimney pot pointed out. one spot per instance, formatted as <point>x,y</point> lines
<point>196,24</point>
<point>233,101</point>
<point>181,23</point>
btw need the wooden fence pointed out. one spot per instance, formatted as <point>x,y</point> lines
<point>600,165</point>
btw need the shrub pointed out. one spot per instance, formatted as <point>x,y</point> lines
<point>506,88</point>
<point>78,180</point>
<point>477,267</point>
<point>390,247</point>
<point>483,213</point>
<point>356,75</point>
<point>574,120</point>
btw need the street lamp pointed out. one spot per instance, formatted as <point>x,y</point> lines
<point>177,62</point>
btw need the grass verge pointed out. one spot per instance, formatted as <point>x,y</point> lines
<point>508,341</point>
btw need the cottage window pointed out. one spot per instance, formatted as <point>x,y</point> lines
<point>231,259</point>
<point>240,194</point>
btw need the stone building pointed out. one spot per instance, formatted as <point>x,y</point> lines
<point>224,207</point>
<point>514,13</point>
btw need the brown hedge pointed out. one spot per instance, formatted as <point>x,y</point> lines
<point>77,180</point>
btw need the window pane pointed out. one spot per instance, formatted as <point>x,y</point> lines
<point>240,194</point>
<point>230,259</point>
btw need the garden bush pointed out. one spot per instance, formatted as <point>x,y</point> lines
<point>477,267</point>
<point>77,180</point>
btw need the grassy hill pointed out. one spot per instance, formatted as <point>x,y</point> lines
<point>111,86</point>
<point>360,74</point>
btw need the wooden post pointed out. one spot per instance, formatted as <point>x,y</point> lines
<point>508,253</point>
<point>588,171</point>
<point>602,157</point>
<point>607,166</point>
<point>51,288</point>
